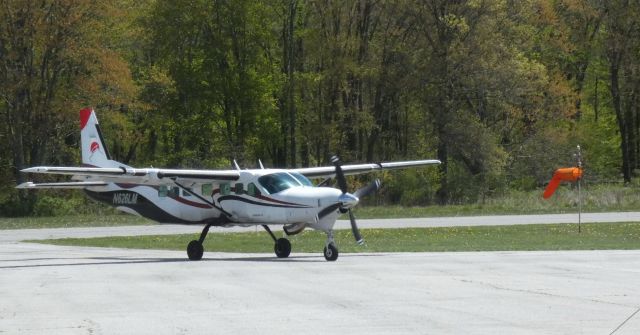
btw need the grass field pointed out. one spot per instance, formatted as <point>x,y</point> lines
<point>596,236</point>
<point>73,221</point>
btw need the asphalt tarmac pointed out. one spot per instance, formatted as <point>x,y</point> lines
<point>48,289</point>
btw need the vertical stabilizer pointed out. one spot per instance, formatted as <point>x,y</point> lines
<point>94,151</point>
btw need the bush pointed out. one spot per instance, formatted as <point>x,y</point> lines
<point>54,206</point>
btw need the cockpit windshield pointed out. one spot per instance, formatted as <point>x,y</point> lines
<point>278,182</point>
<point>302,179</point>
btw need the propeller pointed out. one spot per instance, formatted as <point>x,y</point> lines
<point>350,200</point>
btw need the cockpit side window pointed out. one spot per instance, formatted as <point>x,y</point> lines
<point>302,179</point>
<point>252,190</point>
<point>278,182</point>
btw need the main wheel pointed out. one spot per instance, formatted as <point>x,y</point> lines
<point>195,250</point>
<point>331,252</point>
<point>282,248</point>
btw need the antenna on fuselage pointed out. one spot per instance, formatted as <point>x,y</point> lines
<point>260,163</point>
<point>235,164</point>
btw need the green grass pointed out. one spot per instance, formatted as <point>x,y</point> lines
<point>596,236</point>
<point>73,221</point>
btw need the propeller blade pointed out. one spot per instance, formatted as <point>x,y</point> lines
<point>342,182</point>
<point>363,192</point>
<point>354,229</point>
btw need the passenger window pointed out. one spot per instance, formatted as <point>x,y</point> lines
<point>239,188</point>
<point>163,190</point>
<point>185,192</point>
<point>174,192</point>
<point>252,190</point>
<point>207,189</point>
<point>225,189</point>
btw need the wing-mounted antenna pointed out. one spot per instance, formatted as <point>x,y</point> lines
<point>260,163</point>
<point>235,165</point>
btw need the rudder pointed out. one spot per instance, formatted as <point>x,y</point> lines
<point>94,151</point>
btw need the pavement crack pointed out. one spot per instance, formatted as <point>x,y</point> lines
<point>625,321</point>
<point>494,286</point>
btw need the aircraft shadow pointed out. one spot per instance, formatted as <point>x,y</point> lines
<point>89,261</point>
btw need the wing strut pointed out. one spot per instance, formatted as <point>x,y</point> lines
<point>202,198</point>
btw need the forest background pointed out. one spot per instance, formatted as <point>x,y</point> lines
<point>500,91</point>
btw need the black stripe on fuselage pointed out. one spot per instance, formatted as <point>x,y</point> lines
<point>249,201</point>
<point>138,203</point>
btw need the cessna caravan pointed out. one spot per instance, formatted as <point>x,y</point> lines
<point>232,197</point>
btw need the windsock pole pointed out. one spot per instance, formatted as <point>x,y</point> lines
<point>579,157</point>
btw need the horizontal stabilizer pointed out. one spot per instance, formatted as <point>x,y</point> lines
<point>79,184</point>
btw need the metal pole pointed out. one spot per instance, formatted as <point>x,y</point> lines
<point>579,207</point>
<point>579,156</point>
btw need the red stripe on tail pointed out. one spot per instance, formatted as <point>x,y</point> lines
<point>84,117</point>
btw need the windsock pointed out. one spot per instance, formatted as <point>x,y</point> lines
<point>566,174</point>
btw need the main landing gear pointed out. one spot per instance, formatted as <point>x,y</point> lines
<point>282,246</point>
<point>195,250</point>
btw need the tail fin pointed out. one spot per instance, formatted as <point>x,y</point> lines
<point>94,151</point>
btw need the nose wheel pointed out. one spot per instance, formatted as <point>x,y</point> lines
<point>330,252</point>
<point>330,249</point>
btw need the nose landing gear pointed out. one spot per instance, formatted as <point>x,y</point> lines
<point>330,249</point>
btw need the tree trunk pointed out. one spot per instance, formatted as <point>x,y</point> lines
<point>614,69</point>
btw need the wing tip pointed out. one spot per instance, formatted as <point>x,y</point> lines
<point>25,185</point>
<point>35,169</point>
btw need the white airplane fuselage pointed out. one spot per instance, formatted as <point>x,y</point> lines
<point>246,201</point>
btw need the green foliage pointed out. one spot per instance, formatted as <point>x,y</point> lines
<point>500,91</point>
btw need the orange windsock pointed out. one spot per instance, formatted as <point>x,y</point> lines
<point>566,174</point>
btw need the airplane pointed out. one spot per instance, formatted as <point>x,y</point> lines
<point>235,197</point>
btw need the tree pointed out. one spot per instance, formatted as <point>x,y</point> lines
<point>212,61</point>
<point>53,61</point>
<point>623,28</point>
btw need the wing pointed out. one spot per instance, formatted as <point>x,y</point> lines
<point>150,176</point>
<point>330,171</point>
<point>80,184</point>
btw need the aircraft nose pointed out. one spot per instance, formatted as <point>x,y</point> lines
<point>348,200</point>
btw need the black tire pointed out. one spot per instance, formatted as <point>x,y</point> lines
<point>195,250</point>
<point>282,248</point>
<point>330,252</point>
